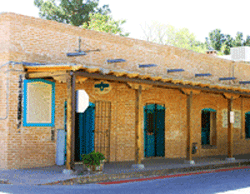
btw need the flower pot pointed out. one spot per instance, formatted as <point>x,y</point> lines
<point>94,168</point>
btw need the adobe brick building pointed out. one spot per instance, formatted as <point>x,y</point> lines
<point>183,98</point>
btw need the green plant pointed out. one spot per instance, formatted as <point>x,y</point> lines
<point>93,158</point>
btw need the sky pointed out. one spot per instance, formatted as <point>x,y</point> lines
<point>199,16</point>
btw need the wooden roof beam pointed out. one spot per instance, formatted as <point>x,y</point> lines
<point>45,74</point>
<point>159,83</point>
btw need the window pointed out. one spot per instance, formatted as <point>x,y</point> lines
<point>39,103</point>
<point>208,127</point>
<point>247,125</point>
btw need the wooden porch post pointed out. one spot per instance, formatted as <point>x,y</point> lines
<point>189,130</point>
<point>189,93</point>
<point>70,121</point>
<point>230,129</point>
<point>138,122</point>
<point>230,98</point>
<point>138,132</point>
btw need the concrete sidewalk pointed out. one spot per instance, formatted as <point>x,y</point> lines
<point>35,176</point>
<point>118,170</point>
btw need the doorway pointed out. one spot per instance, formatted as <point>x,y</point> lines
<point>208,126</point>
<point>92,129</point>
<point>84,131</point>
<point>154,130</point>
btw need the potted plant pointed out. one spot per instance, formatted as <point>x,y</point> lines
<point>94,161</point>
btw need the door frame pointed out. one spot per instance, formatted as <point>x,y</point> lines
<point>154,131</point>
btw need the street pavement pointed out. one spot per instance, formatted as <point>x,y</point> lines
<point>229,182</point>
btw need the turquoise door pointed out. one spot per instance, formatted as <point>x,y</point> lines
<point>84,132</point>
<point>154,130</point>
<point>160,131</point>
<point>247,125</point>
<point>65,128</point>
<point>205,130</point>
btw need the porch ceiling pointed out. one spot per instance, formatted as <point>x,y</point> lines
<point>52,70</point>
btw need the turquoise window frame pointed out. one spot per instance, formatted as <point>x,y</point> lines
<point>208,109</point>
<point>52,123</point>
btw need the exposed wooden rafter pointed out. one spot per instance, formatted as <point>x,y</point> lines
<point>93,70</point>
<point>132,75</point>
<point>188,91</point>
<point>164,82</point>
<point>156,78</point>
<point>45,74</point>
<point>229,96</point>
<point>136,86</point>
<point>80,79</point>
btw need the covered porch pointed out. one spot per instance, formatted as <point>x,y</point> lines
<point>79,74</point>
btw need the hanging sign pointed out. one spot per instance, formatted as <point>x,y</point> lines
<point>82,101</point>
<point>237,119</point>
<point>102,87</point>
<point>231,116</point>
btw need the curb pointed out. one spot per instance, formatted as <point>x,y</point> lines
<point>173,176</point>
<point>151,174</point>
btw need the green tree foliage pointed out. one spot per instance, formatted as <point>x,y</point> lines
<point>238,39</point>
<point>216,39</point>
<point>74,12</point>
<point>169,35</point>
<point>228,44</point>
<point>247,42</point>
<point>222,43</point>
<point>184,39</point>
<point>105,23</point>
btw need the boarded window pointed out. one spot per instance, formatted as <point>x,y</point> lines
<point>39,103</point>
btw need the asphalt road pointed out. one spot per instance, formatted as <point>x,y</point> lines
<point>237,181</point>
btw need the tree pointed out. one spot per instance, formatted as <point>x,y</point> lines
<point>238,39</point>
<point>104,23</point>
<point>216,39</point>
<point>247,42</point>
<point>223,42</point>
<point>169,35</point>
<point>155,32</point>
<point>226,45</point>
<point>74,12</point>
<point>183,39</point>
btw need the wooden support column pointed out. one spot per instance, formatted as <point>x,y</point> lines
<point>189,130</point>
<point>138,130</point>
<point>230,98</point>
<point>230,129</point>
<point>138,122</point>
<point>242,118</point>
<point>70,121</point>
<point>189,94</point>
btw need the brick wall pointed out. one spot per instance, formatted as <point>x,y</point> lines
<point>3,115</point>
<point>4,58</point>
<point>37,40</point>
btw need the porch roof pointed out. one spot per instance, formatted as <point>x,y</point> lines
<point>128,76</point>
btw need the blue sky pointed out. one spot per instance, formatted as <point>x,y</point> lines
<point>199,16</point>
